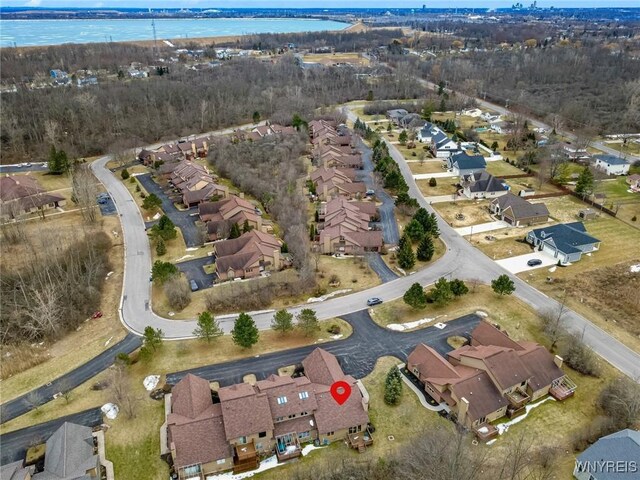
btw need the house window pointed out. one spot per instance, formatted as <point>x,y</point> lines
<point>303,395</point>
<point>262,434</point>
<point>302,435</point>
<point>304,413</point>
<point>292,416</point>
<point>279,419</point>
<point>242,440</point>
<point>221,461</point>
<point>258,446</point>
<point>330,434</point>
<point>282,400</point>
<point>355,429</point>
<point>482,420</point>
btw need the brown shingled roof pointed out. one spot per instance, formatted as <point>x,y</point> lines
<point>330,417</point>
<point>191,396</point>
<point>487,334</point>
<point>481,393</point>
<point>322,367</point>
<point>244,411</point>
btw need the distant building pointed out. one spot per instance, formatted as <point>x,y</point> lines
<point>612,165</point>
<point>81,82</point>
<point>465,164</point>
<point>21,194</point>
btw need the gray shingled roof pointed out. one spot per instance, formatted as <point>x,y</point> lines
<point>566,237</point>
<point>69,454</point>
<point>622,446</point>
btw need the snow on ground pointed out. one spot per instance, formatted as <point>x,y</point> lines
<point>401,327</point>
<point>634,268</point>
<point>110,410</point>
<point>327,296</point>
<point>151,382</point>
<point>503,427</point>
<point>184,257</point>
<point>192,249</point>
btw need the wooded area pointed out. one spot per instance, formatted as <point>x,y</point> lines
<point>86,122</point>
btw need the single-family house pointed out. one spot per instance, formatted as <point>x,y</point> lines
<point>612,165</point>
<point>396,115</point>
<point>501,127</point>
<point>519,212</point>
<point>489,378</point>
<point>334,182</point>
<point>71,453</point>
<point>443,147</point>
<point>483,185</point>
<point>634,182</point>
<point>22,194</point>
<point>574,152</point>
<point>464,164</point>
<point>220,216</point>
<point>344,227</point>
<point>614,457</point>
<point>412,120</point>
<point>195,183</point>
<point>247,256</point>
<point>206,434</point>
<point>472,112</point>
<point>565,241</point>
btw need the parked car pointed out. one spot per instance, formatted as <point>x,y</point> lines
<point>194,285</point>
<point>370,192</point>
<point>534,262</point>
<point>374,301</point>
<point>98,314</point>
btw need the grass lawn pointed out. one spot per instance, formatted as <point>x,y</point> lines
<point>619,245</point>
<point>629,147</point>
<point>52,182</point>
<point>475,212</point>
<point>352,58</point>
<point>518,184</point>
<point>500,167</point>
<point>444,186</point>
<point>78,346</point>
<point>390,259</point>
<point>507,243</point>
<point>429,166</point>
<point>617,197</point>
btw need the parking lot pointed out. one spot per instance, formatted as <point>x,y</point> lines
<point>519,263</point>
<point>194,270</point>
<point>106,205</point>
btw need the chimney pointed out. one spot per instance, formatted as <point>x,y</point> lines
<point>558,361</point>
<point>276,259</point>
<point>463,408</point>
<point>241,194</point>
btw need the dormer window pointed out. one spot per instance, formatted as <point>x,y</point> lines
<point>282,400</point>
<point>303,395</point>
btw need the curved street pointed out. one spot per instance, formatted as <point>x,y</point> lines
<point>461,260</point>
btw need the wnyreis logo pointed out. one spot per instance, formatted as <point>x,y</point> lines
<point>607,466</point>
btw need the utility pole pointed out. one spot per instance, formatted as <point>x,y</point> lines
<point>155,38</point>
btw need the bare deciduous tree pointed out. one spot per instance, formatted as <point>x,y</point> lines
<point>85,191</point>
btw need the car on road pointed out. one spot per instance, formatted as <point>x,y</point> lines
<point>374,301</point>
<point>534,262</point>
<point>194,285</point>
<point>370,192</point>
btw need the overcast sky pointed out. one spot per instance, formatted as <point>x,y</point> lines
<point>320,3</point>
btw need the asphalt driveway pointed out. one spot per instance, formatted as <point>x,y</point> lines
<point>15,444</point>
<point>387,222</point>
<point>184,220</point>
<point>194,270</point>
<point>382,269</point>
<point>357,354</point>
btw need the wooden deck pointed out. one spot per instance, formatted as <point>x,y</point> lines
<point>361,440</point>
<point>485,432</point>
<point>245,458</point>
<point>562,388</point>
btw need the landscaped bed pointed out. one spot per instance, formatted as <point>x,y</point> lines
<point>463,214</point>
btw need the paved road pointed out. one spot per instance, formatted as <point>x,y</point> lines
<point>382,269</point>
<point>387,211</point>
<point>23,404</point>
<point>14,168</point>
<point>182,219</point>
<point>193,269</point>
<point>14,445</point>
<point>357,354</point>
<point>460,260</point>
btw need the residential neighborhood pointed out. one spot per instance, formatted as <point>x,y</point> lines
<point>319,243</point>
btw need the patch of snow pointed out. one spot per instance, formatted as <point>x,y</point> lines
<point>440,325</point>
<point>336,337</point>
<point>401,327</point>
<point>503,427</point>
<point>192,249</point>
<point>110,410</point>
<point>108,341</point>
<point>309,448</point>
<point>151,382</point>
<point>171,314</point>
<point>156,216</point>
<point>404,274</point>
<point>328,295</point>
<point>109,274</point>
<point>553,269</point>
<point>482,314</point>
<point>183,257</point>
<point>483,430</point>
<point>635,268</point>
<point>491,442</point>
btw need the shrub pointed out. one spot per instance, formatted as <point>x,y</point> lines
<point>178,292</point>
<point>433,182</point>
<point>580,357</point>
<point>334,329</point>
<point>124,174</point>
<point>393,387</point>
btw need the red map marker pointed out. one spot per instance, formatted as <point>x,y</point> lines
<point>340,391</point>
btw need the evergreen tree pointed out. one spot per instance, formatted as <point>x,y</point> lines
<point>124,174</point>
<point>282,321</point>
<point>458,287</point>
<point>151,201</point>
<point>256,116</point>
<point>162,271</point>
<point>246,227</point>
<point>58,161</point>
<point>584,185</point>
<point>414,230</point>
<point>235,231</point>
<point>312,232</point>
<point>161,248</point>
<point>428,221</point>
<point>433,182</point>
<point>164,229</point>
<point>415,296</point>
<point>425,249</point>
<point>308,321</point>
<point>402,138</point>
<point>152,338</point>
<point>441,293</point>
<point>208,327</point>
<point>245,333</point>
<point>406,257</point>
<point>503,285</point>
<point>393,386</point>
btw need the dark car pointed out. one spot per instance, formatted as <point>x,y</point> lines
<point>374,301</point>
<point>194,285</point>
<point>534,262</point>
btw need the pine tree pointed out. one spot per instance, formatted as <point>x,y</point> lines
<point>208,327</point>
<point>246,227</point>
<point>458,287</point>
<point>441,293</point>
<point>503,285</point>
<point>406,257</point>
<point>425,249</point>
<point>152,338</point>
<point>161,248</point>
<point>308,321</point>
<point>282,321</point>
<point>245,333</point>
<point>393,386</point>
<point>415,296</point>
<point>584,185</point>
<point>402,138</point>
<point>235,231</point>
<point>414,230</point>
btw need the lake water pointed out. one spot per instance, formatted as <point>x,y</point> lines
<point>56,32</point>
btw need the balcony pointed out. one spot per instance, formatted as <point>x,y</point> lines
<point>562,388</point>
<point>518,398</point>
<point>245,458</point>
<point>287,447</point>
<point>360,440</point>
<point>485,432</point>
